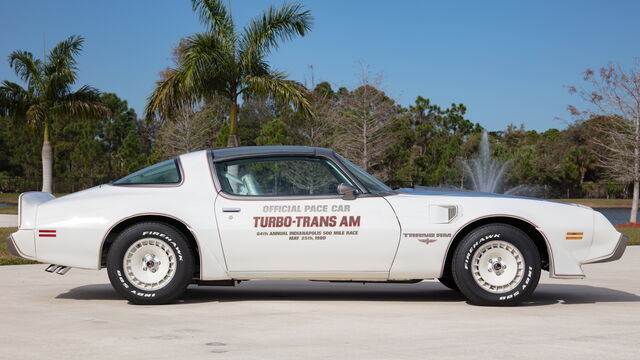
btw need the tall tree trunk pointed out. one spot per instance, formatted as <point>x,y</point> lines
<point>233,141</point>
<point>634,203</point>
<point>47,162</point>
<point>365,153</point>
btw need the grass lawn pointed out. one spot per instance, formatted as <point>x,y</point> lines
<point>9,198</point>
<point>633,234</point>
<point>5,257</point>
<point>12,210</point>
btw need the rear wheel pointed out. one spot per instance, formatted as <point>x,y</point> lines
<point>496,264</point>
<point>150,263</point>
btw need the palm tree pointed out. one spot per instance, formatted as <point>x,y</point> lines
<point>221,62</point>
<point>48,96</point>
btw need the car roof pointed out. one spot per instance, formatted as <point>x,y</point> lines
<point>268,150</point>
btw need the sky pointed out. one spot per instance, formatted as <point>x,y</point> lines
<point>509,62</point>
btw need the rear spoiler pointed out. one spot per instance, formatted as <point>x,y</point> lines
<point>28,205</point>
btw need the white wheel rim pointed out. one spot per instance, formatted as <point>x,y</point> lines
<point>497,266</point>
<point>149,264</point>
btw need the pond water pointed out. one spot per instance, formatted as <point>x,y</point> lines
<point>616,216</point>
<point>6,205</point>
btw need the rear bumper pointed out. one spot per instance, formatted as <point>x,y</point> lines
<point>617,253</point>
<point>13,248</point>
<point>21,244</point>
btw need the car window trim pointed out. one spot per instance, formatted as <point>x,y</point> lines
<point>338,165</point>
<point>181,175</point>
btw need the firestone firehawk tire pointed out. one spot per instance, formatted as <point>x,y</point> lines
<point>150,263</point>
<point>496,264</point>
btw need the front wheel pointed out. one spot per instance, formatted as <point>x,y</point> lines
<point>150,263</point>
<point>496,264</point>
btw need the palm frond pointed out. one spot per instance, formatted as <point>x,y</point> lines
<point>85,103</point>
<point>28,68</point>
<point>77,110</point>
<point>61,67</point>
<point>206,55</point>
<point>168,95</point>
<point>264,33</point>
<point>63,55</point>
<point>278,87</point>
<point>214,14</point>
<point>36,115</point>
<point>84,93</point>
<point>14,99</point>
<point>59,84</point>
<point>197,75</point>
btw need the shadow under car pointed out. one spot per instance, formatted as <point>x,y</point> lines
<point>295,290</point>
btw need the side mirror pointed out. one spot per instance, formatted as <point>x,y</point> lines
<point>347,191</point>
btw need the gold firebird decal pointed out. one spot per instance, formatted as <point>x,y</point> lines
<point>427,238</point>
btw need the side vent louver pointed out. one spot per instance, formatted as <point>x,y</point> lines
<point>442,214</point>
<point>453,211</point>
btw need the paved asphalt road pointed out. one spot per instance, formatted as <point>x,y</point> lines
<point>79,316</point>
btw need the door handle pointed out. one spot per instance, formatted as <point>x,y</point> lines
<point>230,209</point>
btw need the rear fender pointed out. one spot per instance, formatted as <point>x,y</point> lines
<point>28,206</point>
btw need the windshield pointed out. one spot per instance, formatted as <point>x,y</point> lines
<point>369,181</point>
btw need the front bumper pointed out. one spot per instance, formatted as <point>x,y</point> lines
<point>617,253</point>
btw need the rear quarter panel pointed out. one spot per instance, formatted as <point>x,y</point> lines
<point>82,220</point>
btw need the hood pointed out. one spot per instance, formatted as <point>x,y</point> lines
<point>426,191</point>
<point>434,191</point>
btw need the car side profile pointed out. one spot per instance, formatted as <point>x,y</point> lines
<point>218,217</point>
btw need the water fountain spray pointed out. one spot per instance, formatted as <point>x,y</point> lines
<point>485,172</point>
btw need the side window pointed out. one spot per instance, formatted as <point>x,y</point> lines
<point>165,172</point>
<point>281,176</point>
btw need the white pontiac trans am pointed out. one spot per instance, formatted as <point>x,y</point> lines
<point>290,212</point>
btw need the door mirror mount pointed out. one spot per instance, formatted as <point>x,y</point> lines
<point>347,191</point>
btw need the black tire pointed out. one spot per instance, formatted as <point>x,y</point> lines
<point>447,280</point>
<point>167,235</point>
<point>515,293</point>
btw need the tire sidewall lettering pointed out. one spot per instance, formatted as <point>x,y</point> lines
<point>524,284</point>
<point>166,238</point>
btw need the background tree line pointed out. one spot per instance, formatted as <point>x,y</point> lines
<point>422,144</point>
<point>87,152</point>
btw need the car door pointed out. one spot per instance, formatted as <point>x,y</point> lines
<point>282,217</point>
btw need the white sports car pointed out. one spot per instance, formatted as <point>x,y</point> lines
<point>223,216</point>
